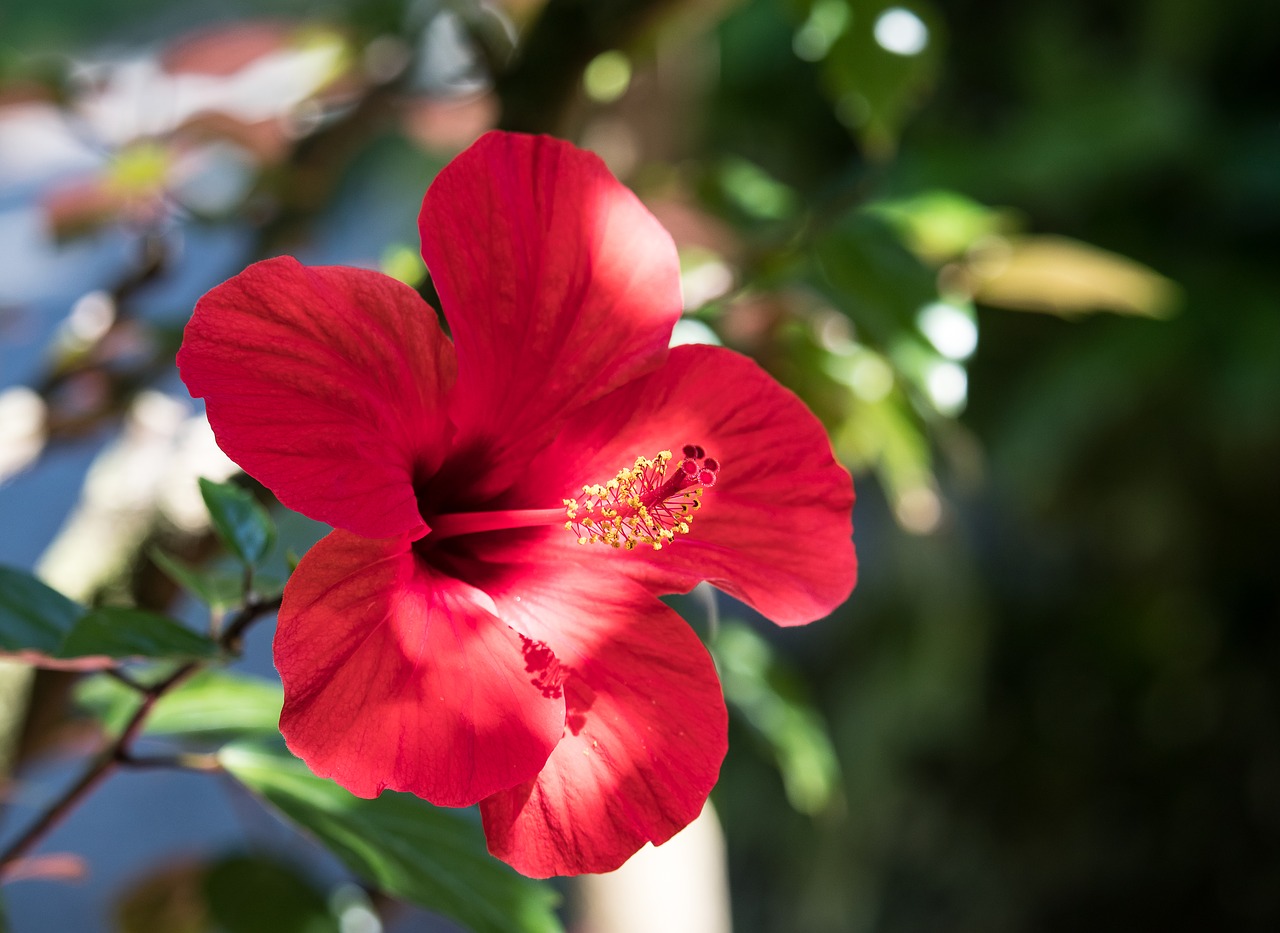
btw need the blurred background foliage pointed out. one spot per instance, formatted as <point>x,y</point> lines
<point>1019,257</point>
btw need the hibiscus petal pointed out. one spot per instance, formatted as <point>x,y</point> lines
<point>398,676</point>
<point>646,728</point>
<point>327,384</point>
<point>557,283</point>
<point>775,531</point>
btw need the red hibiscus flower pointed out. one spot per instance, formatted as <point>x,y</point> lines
<point>483,624</point>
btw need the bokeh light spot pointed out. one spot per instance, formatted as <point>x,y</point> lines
<point>901,32</point>
<point>948,387</point>
<point>607,77</point>
<point>871,378</point>
<point>952,332</point>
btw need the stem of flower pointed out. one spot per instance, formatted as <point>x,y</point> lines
<point>467,523</point>
<point>120,752</point>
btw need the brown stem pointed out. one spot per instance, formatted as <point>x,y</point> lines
<point>183,761</point>
<point>120,752</point>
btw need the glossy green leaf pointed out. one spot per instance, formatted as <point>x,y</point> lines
<point>121,632</point>
<point>48,629</point>
<point>212,703</point>
<point>215,588</point>
<point>241,523</point>
<point>33,617</point>
<point>433,857</point>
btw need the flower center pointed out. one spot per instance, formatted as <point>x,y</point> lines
<point>649,502</point>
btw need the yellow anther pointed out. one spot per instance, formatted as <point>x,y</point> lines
<point>639,505</point>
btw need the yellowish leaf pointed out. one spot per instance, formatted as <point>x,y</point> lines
<point>1057,275</point>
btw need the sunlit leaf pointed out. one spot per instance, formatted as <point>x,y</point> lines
<point>759,685</point>
<point>212,703</point>
<point>433,857</point>
<point>941,225</point>
<point>240,521</point>
<point>752,190</point>
<point>1057,275</point>
<point>44,627</point>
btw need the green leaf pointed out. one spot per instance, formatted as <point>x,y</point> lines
<point>433,857</point>
<point>210,704</point>
<point>874,86</point>
<point>872,278</point>
<point>215,588</point>
<point>120,632</point>
<point>1058,275</point>
<point>253,894</point>
<point>755,192</point>
<point>240,522</point>
<point>43,625</point>
<point>33,617</point>
<point>758,684</point>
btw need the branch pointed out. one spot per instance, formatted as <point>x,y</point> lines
<point>120,752</point>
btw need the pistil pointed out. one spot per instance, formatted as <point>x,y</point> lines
<point>468,523</point>
<point>648,503</point>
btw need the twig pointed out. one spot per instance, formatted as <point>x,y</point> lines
<point>120,752</point>
<point>183,761</point>
<point>124,678</point>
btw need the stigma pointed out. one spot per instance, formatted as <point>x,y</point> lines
<point>648,503</point>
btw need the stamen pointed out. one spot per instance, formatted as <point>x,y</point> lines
<point>642,505</point>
